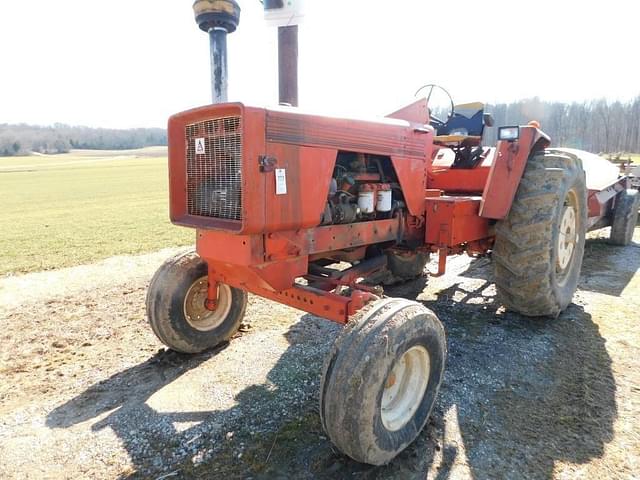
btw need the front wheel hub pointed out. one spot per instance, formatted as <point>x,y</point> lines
<point>204,314</point>
<point>404,388</point>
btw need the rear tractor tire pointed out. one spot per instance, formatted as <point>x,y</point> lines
<point>539,246</point>
<point>407,266</point>
<point>625,217</point>
<point>402,266</point>
<point>176,306</point>
<point>381,379</point>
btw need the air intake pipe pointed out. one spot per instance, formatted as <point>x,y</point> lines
<point>218,18</point>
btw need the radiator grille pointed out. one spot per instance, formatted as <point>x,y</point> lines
<point>214,168</point>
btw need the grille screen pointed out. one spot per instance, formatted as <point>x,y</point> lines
<point>214,168</point>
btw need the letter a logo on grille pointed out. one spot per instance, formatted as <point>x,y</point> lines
<point>201,148</point>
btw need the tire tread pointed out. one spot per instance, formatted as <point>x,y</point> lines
<point>522,250</point>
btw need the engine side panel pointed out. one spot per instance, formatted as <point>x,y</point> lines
<point>305,172</point>
<point>412,175</point>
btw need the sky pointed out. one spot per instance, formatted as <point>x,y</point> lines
<point>132,63</point>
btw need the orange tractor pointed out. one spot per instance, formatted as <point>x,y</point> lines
<point>317,212</point>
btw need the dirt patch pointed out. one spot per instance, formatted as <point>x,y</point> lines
<point>87,391</point>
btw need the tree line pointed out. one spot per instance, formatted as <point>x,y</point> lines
<point>598,126</point>
<point>23,139</point>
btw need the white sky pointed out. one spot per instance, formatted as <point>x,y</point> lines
<point>128,63</point>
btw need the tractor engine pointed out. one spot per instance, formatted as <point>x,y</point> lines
<point>361,190</point>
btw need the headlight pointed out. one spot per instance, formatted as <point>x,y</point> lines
<point>509,134</point>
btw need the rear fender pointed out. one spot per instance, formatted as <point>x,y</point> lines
<point>507,169</point>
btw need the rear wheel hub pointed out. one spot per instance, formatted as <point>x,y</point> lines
<point>567,238</point>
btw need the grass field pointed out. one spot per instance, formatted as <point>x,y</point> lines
<point>70,209</point>
<point>64,210</point>
<point>635,157</point>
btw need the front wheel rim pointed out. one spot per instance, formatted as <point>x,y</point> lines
<point>197,314</point>
<point>404,388</point>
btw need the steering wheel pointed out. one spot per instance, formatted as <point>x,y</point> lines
<point>431,87</point>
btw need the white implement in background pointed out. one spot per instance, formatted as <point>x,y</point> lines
<point>600,172</point>
<point>634,173</point>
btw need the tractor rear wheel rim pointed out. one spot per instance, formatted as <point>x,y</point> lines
<point>567,235</point>
<point>197,314</point>
<point>404,388</point>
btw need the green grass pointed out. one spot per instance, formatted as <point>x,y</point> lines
<point>65,210</point>
<point>635,157</point>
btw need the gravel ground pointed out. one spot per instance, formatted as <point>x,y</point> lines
<point>86,391</point>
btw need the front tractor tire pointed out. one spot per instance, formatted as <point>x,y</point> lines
<point>539,246</point>
<point>176,306</point>
<point>381,380</point>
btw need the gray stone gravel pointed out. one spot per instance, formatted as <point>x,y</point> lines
<point>88,392</point>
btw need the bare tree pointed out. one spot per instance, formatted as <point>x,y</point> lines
<point>598,126</point>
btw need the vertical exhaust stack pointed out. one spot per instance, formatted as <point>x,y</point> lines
<point>286,15</point>
<point>218,18</point>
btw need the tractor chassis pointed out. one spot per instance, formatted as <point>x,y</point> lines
<point>277,265</point>
<point>260,261</point>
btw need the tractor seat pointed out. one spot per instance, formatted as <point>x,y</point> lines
<point>465,125</point>
<point>450,140</point>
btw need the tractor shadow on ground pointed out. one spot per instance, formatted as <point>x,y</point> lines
<point>119,402</point>
<point>270,422</point>
<point>518,396</point>
<point>131,386</point>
